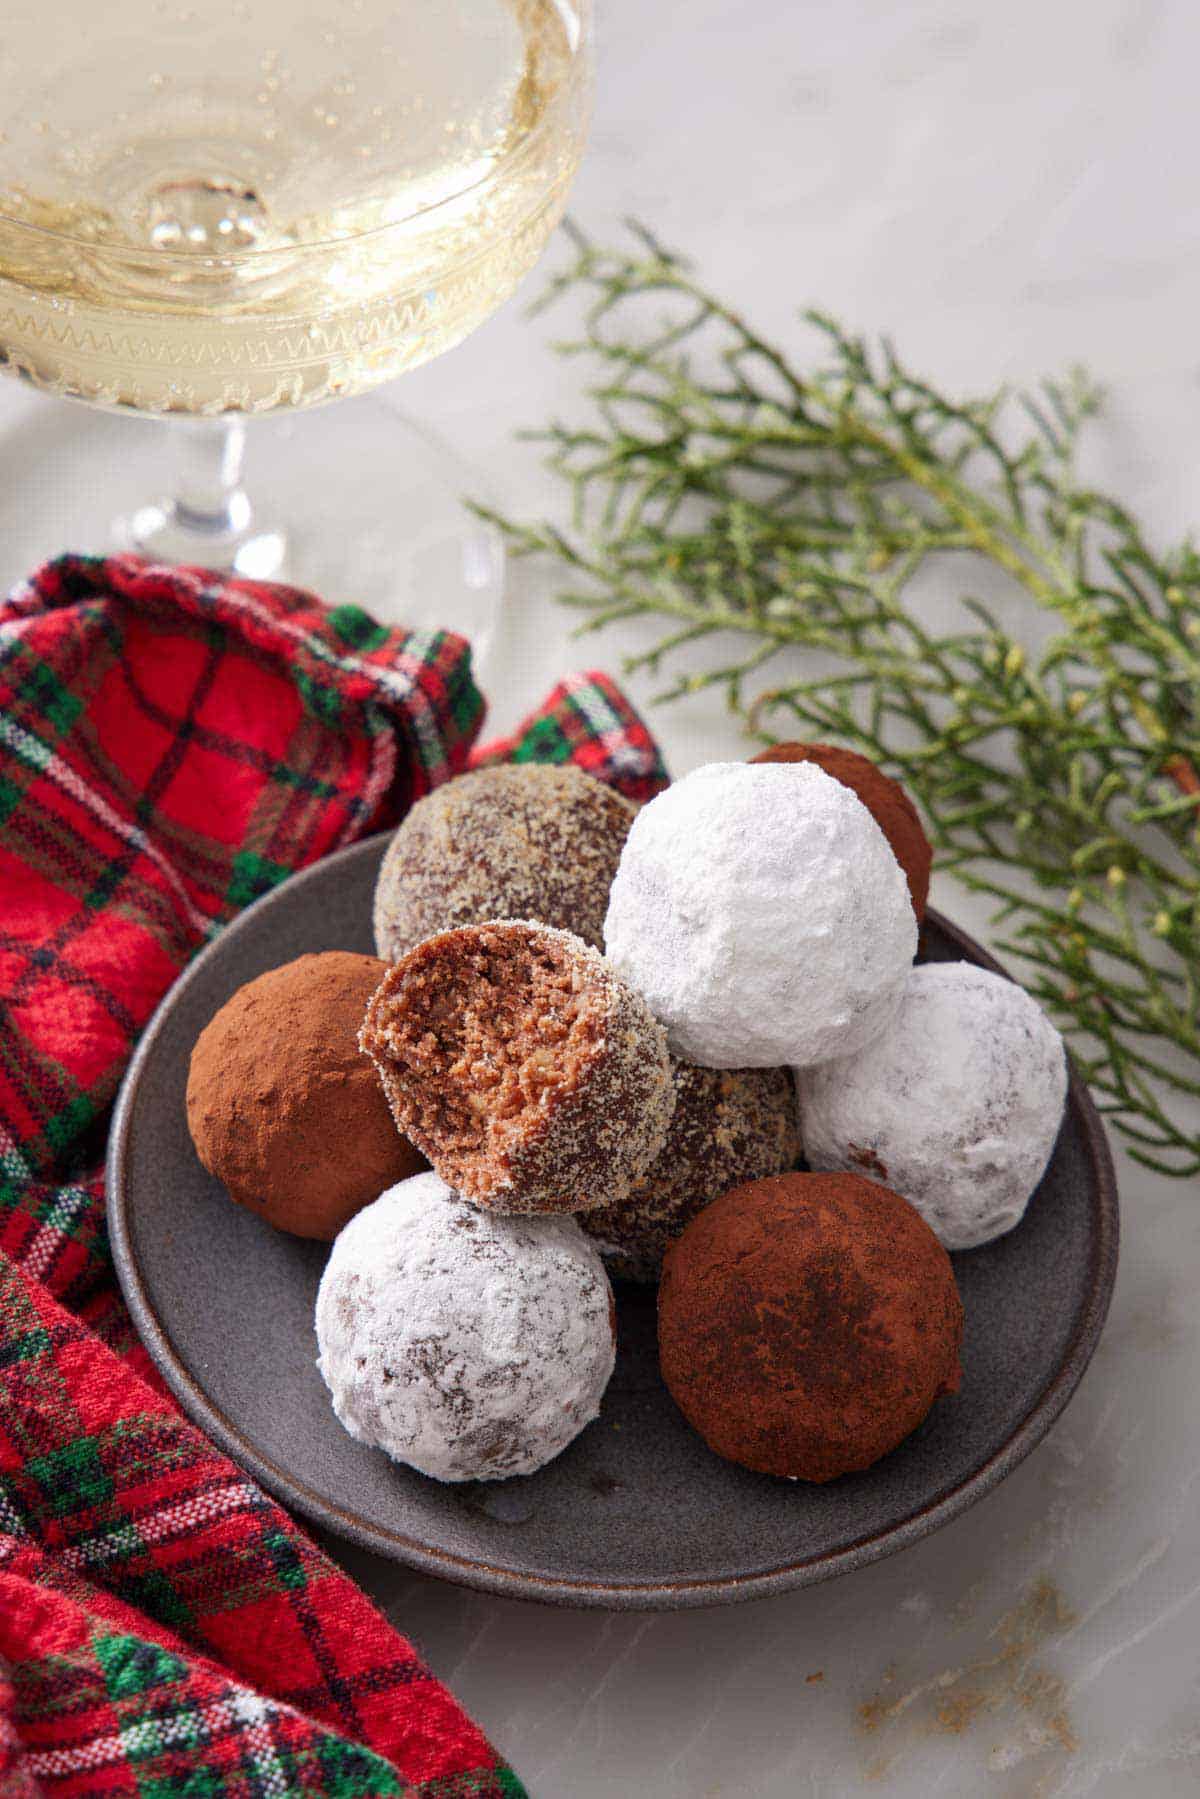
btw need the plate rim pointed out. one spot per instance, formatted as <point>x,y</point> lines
<point>552,1589</point>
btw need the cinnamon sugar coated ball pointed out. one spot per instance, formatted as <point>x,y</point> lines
<point>730,1125</point>
<point>282,1105</point>
<point>518,841</point>
<point>469,1346</point>
<point>806,1324</point>
<point>885,799</point>
<point>532,1078</point>
<point>957,1104</point>
<point>761,912</point>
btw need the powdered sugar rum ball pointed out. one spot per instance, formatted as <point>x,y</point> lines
<point>470,1346</point>
<point>884,799</point>
<point>956,1105</point>
<point>759,909</point>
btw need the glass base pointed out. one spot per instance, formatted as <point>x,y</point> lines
<point>353,501</point>
<point>166,533</point>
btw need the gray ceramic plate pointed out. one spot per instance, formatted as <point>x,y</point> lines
<point>637,1512</point>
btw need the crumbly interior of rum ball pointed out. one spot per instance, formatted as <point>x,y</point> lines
<point>486,1044</point>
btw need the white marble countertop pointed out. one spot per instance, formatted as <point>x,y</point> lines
<point>1004,189</point>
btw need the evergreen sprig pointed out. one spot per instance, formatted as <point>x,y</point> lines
<point>1051,734</point>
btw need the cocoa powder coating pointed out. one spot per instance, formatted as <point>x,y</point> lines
<point>885,799</point>
<point>807,1323</point>
<point>530,1075</point>
<point>285,1109</point>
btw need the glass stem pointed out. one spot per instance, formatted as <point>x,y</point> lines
<point>207,520</point>
<point>209,497</point>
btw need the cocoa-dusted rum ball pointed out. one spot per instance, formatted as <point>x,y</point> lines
<point>885,799</point>
<point>283,1106</point>
<point>807,1323</point>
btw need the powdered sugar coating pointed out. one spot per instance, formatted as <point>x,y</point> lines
<point>759,909</point>
<point>469,1346</point>
<point>956,1105</point>
<point>522,840</point>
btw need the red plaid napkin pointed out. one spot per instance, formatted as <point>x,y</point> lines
<point>172,745</point>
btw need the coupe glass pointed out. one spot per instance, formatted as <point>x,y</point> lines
<point>217,215</point>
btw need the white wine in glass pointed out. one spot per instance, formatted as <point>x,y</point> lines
<point>212,213</point>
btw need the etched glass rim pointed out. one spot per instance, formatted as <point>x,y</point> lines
<point>582,68</point>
